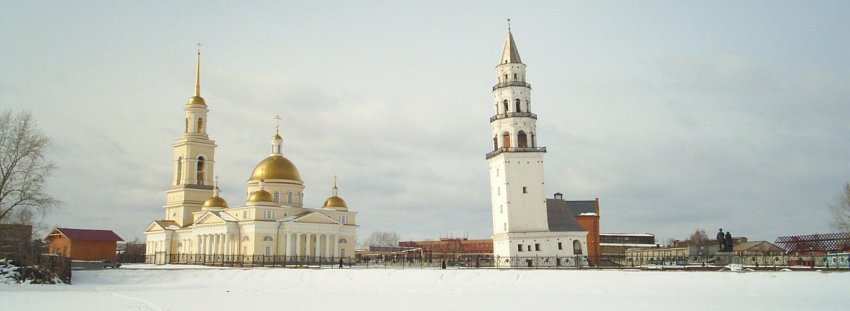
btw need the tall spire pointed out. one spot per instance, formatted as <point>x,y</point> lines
<point>197,99</point>
<point>510,54</point>
<point>198,73</point>
<point>277,141</point>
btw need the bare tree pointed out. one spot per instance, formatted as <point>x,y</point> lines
<point>380,238</point>
<point>698,238</point>
<point>841,211</point>
<point>24,169</point>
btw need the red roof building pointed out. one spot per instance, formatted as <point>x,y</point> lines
<point>83,244</point>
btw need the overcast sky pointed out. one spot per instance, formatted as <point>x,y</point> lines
<point>677,115</point>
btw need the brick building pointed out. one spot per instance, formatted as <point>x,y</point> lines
<point>452,248</point>
<point>83,244</point>
<point>586,214</point>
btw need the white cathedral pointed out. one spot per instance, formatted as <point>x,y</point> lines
<point>525,227</point>
<point>272,224</point>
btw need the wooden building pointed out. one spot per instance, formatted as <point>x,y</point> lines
<point>83,244</point>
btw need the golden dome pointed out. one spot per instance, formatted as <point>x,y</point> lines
<point>215,201</point>
<point>276,167</point>
<point>260,196</point>
<point>196,100</point>
<point>335,202</point>
<point>277,137</point>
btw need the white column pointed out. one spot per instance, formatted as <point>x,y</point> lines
<point>336,245</point>
<point>327,245</point>
<point>297,251</point>
<point>307,239</point>
<point>227,249</point>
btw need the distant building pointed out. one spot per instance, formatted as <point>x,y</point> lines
<point>757,248</point>
<point>83,244</point>
<point>613,246</point>
<point>451,248</point>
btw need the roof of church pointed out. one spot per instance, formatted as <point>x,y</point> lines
<point>510,54</point>
<point>561,216</point>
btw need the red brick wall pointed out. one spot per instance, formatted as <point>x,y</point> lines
<point>591,224</point>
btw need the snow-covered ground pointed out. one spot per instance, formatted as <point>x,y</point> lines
<point>144,287</point>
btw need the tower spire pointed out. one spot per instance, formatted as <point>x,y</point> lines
<point>196,99</point>
<point>277,141</point>
<point>510,54</point>
<point>198,72</point>
<point>215,189</point>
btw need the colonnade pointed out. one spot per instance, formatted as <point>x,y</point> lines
<point>214,244</point>
<point>312,245</point>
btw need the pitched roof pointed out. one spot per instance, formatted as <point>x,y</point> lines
<point>510,54</point>
<point>561,217</point>
<point>89,234</point>
<point>582,207</point>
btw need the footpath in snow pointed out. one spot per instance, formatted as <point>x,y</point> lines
<point>145,287</point>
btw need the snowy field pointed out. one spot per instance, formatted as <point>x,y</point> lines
<point>145,287</point>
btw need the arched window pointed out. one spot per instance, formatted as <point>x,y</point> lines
<point>268,239</point>
<point>200,125</point>
<point>533,141</point>
<point>495,142</point>
<point>506,77</point>
<point>506,140</point>
<point>505,103</point>
<point>289,197</point>
<point>342,241</point>
<point>518,109</point>
<point>521,140</point>
<point>277,196</point>
<point>577,247</point>
<point>245,238</point>
<point>179,170</point>
<point>527,105</point>
<point>514,76</point>
<point>201,167</point>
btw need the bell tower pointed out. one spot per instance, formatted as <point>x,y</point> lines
<point>516,161</point>
<point>194,159</point>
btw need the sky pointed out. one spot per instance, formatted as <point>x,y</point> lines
<point>677,115</point>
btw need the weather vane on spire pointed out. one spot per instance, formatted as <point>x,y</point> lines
<point>335,189</point>
<point>199,47</point>
<point>509,25</point>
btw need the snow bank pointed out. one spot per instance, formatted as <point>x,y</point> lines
<point>193,288</point>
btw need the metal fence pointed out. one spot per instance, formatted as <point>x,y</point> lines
<point>757,262</point>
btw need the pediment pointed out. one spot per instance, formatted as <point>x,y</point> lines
<point>209,218</point>
<point>160,225</point>
<point>316,218</point>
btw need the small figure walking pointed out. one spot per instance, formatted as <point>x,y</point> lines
<point>721,240</point>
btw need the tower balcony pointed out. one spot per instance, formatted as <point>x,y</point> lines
<point>513,114</point>
<point>511,83</point>
<point>518,149</point>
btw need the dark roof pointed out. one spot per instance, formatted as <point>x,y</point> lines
<point>579,207</point>
<point>510,54</point>
<point>561,217</point>
<point>89,234</point>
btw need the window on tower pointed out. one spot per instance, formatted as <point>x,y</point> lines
<point>522,140</point>
<point>186,130</point>
<point>496,143</point>
<point>200,128</point>
<point>179,170</point>
<point>518,109</point>
<point>506,140</point>
<point>289,197</point>
<point>519,247</point>
<point>277,196</point>
<point>514,76</point>
<point>537,246</point>
<point>505,103</point>
<point>201,168</point>
<point>524,189</point>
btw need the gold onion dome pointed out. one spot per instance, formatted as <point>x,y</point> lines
<point>335,202</point>
<point>260,196</point>
<point>276,167</point>
<point>277,137</point>
<point>215,201</point>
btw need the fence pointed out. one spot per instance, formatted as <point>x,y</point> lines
<point>761,262</point>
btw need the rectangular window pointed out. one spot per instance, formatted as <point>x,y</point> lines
<point>559,246</point>
<point>268,251</point>
<point>537,246</point>
<point>524,189</point>
<point>529,247</point>
<point>519,247</point>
